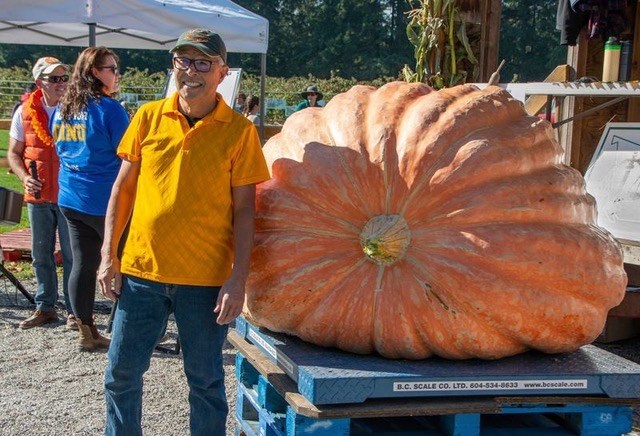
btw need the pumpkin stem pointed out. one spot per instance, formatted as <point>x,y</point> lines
<point>385,238</point>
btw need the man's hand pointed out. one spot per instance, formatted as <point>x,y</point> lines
<point>31,185</point>
<point>230,301</point>
<point>110,278</point>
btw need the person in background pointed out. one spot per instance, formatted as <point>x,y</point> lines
<point>311,98</point>
<point>31,146</point>
<point>87,128</point>
<point>27,92</point>
<point>31,87</point>
<point>190,236</point>
<point>241,102</point>
<point>252,110</point>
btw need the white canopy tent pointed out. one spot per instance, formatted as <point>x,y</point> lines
<point>143,24</point>
<point>137,24</point>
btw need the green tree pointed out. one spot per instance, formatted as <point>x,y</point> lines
<point>400,50</point>
<point>24,55</point>
<point>532,54</point>
<point>364,39</point>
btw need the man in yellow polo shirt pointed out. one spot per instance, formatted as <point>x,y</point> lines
<point>187,185</point>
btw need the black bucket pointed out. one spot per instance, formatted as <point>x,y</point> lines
<point>10,207</point>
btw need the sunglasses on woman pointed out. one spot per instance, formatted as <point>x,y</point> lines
<point>57,79</point>
<point>113,68</point>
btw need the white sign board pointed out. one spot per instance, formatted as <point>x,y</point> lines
<point>228,87</point>
<point>613,178</point>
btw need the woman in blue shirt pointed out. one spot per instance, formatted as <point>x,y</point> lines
<point>87,128</point>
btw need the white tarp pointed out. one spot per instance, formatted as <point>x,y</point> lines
<point>613,178</point>
<point>141,24</point>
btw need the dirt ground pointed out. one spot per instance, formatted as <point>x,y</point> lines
<point>47,387</point>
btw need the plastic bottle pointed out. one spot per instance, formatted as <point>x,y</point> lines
<point>625,61</point>
<point>611,62</point>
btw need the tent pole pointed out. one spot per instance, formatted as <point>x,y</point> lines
<point>263,84</point>
<point>92,34</point>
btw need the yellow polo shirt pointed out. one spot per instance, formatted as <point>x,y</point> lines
<point>181,227</point>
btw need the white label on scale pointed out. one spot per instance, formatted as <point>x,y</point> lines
<point>488,385</point>
<point>267,347</point>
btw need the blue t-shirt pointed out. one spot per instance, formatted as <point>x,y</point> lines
<point>87,147</point>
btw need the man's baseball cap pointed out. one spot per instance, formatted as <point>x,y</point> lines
<point>46,65</point>
<point>206,41</point>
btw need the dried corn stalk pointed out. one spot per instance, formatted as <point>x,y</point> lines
<point>441,47</point>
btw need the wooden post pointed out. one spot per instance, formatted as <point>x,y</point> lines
<point>633,114</point>
<point>490,11</point>
<point>569,137</point>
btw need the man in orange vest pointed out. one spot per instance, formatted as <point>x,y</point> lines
<point>32,158</point>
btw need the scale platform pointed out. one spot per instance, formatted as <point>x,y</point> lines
<point>331,376</point>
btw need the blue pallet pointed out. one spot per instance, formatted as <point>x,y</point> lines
<point>330,376</point>
<point>261,410</point>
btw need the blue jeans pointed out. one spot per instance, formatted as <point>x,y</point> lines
<point>139,323</point>
<point>45,218</point>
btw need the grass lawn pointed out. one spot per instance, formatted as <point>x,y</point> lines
<point>9,181</point>
<point>4,143</point>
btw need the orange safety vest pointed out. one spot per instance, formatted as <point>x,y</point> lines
<point>39,147</point>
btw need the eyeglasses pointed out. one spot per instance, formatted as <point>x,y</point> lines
<point>201,65</point>
<point>57,79</point>
<point>311,93</point>
<point>113,68</point>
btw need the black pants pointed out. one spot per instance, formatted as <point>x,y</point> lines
<point>86,233</point>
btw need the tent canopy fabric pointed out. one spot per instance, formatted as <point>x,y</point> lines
<point>138,24</point>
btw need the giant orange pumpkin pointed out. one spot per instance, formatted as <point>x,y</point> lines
<point>411,222</point>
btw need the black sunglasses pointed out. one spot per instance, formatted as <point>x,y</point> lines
<point>57,79</point>
<point>113,69</point>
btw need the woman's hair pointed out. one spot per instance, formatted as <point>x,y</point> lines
<point>84,85</point>
<point>251,103</point>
